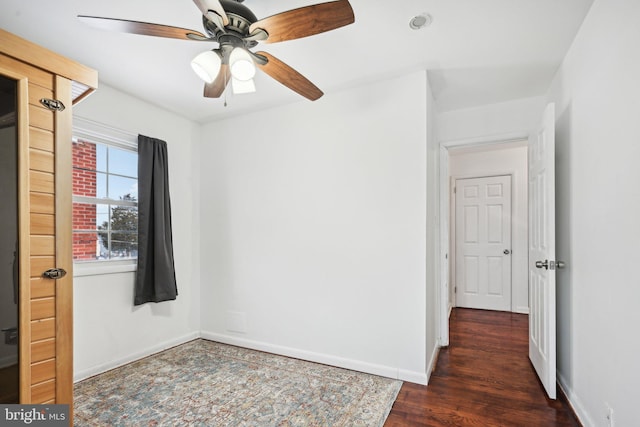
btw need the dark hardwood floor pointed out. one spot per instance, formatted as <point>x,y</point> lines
<point>484,378</point>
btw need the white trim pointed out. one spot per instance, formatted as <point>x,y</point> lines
<point>104,134</point>
<point>103,201</point>
<point>340,362</point>
<point>574,401</point>
<point>502,138</point>
<point>432,362</point>
<point>95,268</point>
<point>86,373</point>
<point>443,253</point>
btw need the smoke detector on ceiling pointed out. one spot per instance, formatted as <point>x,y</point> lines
<point>420,21</point>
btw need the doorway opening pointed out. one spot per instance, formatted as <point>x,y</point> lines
<point>484,160</point>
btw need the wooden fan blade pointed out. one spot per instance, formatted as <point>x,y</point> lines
<point>305,21</point>
<point>289,77</point>
<point>143,28</point>
<point>214,5</point>
<point>216,88</point>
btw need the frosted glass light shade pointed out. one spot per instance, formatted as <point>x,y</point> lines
<point>242,86</point>
<point>207,65</point>
<point>242,66</point>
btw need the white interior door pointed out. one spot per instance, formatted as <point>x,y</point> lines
<point>542,248</point>
<point>483,243</point>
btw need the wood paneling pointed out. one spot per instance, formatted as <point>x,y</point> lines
<point>43,308</point>
<point>36,93</point>
<point>41,139</point>
<point>64,257</point>
<point>42,288</point>
<point>36,75</point>
<point>43,371</point>
<point>42,223</point>
<point>484,378</point>
<point>43,245</point>
<point>42,182</point>
<point>45,209</point>
<point>43,392</point>
<point>41,264</point>
<point>43,350</point>
<point>40,117</point>
<point>31,53</point>
<point>42,203</point>
<point>43,329</point>
<point>42,161</point>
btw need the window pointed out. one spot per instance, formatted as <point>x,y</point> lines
<point>105,201</point>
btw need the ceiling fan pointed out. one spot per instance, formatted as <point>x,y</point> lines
<point>236,29</point>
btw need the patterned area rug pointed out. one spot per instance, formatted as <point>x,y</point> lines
<point>203,383</point>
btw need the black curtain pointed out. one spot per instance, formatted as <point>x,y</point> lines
<point>156,276</point>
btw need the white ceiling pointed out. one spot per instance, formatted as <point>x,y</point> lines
<point>477,51</point>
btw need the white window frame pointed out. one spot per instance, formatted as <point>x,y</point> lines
<point>92,131</point>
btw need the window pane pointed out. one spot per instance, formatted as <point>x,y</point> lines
<point>123,162</point>
<point>124,244</point>
<point>101,186</point>
<point>102,217</point>
<point>101,158</point>
<point>123,188</point>
<point>124,219</point>
<point>103,244</point>
<point>103,231</point>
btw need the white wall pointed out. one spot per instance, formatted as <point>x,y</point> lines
<point>597,95</point>
<point>314,237</point>
<point>108,329</point>
<point>502,159</point>
<point>495,121</point>
<point>432,308</point>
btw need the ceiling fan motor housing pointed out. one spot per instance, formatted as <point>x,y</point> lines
<point>240,18</point>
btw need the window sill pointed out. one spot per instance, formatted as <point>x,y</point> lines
<point>97,268</point>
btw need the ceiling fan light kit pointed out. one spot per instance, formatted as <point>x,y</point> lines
<point>242,66</point>
<point>207,65</point>
<point>242,86</point>
<point>237,30</point>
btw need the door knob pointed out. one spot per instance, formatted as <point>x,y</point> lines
<point>506,252</point>
<point>541,264</point>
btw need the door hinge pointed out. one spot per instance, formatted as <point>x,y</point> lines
<point>455,289</point>
<point>52,104</point>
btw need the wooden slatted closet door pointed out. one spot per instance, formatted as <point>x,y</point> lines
<point>46,348</point>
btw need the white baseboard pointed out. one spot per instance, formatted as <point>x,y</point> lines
<point>575,402</point>
<point>521,310</point>
<point>340,362</point>
<point>432,363</point>
<point>86,373</point>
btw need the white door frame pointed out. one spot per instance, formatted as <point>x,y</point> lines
<point>443,282</point>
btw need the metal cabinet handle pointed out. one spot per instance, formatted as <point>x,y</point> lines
<point>54,273</point>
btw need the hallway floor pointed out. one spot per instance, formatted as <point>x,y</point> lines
<point>484,378</point>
